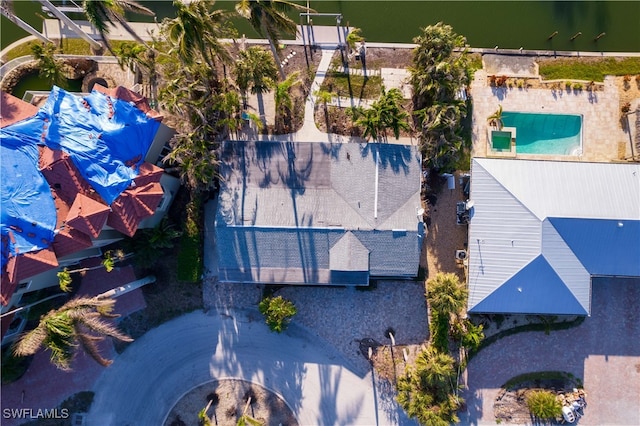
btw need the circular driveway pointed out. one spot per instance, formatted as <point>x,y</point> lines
<point>146,380</point>
<point>604,351</point>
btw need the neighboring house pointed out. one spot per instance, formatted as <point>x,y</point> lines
<point>77,174</point>
<point>540,231</point>
<point>318,213</point>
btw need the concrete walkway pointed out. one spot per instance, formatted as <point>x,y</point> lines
<point>152,374</point>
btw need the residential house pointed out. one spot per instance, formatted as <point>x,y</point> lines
<point>318,213</point>
<point>77,174</point>
<point>540,232</point>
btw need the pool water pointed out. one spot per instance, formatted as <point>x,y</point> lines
<point>35,82</point>
<point>501,141</point>
<point>547,134</point>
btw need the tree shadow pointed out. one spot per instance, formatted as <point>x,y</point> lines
<point>399,158</point>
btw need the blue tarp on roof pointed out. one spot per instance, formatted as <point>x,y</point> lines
<point>27,212</point>
<point>106,142</point>
<point>106,138</point>
<point>603,246</point>
<point>535,289</point>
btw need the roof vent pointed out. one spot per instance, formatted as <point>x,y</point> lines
<point>461,254</point>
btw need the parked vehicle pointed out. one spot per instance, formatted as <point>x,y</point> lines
<point>568,414</point>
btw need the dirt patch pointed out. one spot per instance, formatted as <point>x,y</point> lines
<point>378,57</point>
<point>228,400</point>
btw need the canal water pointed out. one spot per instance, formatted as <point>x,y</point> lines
<point>507,24</point>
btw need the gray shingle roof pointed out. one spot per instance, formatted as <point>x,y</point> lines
<point>284,206</point>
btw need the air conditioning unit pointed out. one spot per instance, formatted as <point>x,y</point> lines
<point>461,254</point>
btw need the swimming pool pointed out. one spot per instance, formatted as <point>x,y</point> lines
<point>547,134</point>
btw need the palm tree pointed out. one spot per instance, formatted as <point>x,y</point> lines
<point>427,391</point>
<point>385,113</point>
<point>393,115</point>
<point>196,157</point>
<point>446,294</point>
<point>102,13</point>
<point>284,102</point>
<point>229,106</point>
<point>495,119</point>
<point>438,73</point>
<point>324,97</point>
<point>441,139</point>
<point>354,36</point>
<point>255,71</point>
<point>369,119</point>
<point>108,263</point>
<point>50,67</point>
<point>79,322</point>
<point>196,30</point>
<point>269,18</point>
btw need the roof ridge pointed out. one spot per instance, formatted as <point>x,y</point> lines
<point>541,219</point>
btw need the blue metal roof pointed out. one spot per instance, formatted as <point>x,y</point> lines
<point>528,292</point>
<point>604,247</point>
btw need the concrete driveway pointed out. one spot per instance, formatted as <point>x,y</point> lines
<point>604,351</point>
<point>146,380</point>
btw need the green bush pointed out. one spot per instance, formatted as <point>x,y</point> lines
<point>544,405</point>
<point>439,328</point>
<point>278,312</point>
<point>190,255</point>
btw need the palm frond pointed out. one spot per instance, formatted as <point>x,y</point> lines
<point>89,344</point>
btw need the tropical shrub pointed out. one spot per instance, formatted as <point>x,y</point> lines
<point>439,72</point>
<point>278,312</point>
<point>543,404</point>
<point>428,390</point>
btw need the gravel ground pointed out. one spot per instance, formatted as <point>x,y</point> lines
<point>341,316</point>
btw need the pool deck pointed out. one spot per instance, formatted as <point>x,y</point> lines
<point>603,139</point>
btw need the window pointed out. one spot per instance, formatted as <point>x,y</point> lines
<point>24,286</point>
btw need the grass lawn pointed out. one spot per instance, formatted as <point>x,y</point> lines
<point>590,69</point>
<point>361,88</point>
<point>69,46</point>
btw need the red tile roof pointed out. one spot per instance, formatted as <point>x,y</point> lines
<point>136,203</point>
<point>147,172</point>
<point>146,198</point>
<point>127,95</point>
<point>13,109</point>
<point>7,288</point>
<point>81,212</point>
<point>69,241</point>
<point>25,265</point>
<point>63,176</point>
<point>87,215</point>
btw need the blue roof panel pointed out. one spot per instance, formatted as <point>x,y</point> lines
<point>107,138</point>
<point>604,247</point>
<point>27,211</point>
<point>535,289</point>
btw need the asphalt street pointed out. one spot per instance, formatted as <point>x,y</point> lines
<point>319,385</point>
